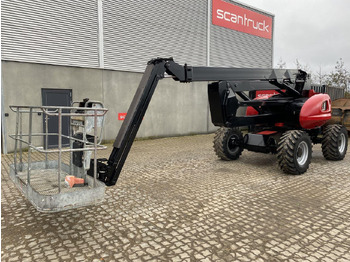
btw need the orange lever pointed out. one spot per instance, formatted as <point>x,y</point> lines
<point>71,181</point>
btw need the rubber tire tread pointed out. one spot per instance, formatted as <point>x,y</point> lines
<point>330,148</point>
<point>220,143</point>
<point>289,142</point>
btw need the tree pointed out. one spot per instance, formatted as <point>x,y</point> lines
<point>300,66</point>
<point>320,77</point>
<point>340,77</point>
<point>305,68</point>
<point>281,64</point>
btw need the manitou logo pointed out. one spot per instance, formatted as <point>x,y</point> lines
<point>241,19</point>
<point>121,116</point>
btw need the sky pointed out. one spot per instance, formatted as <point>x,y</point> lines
<point>316,32</point>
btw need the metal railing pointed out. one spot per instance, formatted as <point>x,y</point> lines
<point>96,114</point>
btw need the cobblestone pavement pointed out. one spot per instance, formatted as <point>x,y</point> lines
<point>175,201</point>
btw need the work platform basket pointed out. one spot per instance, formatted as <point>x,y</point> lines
<point>39,171</point>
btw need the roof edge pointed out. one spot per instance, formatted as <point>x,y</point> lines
<point>253,7</point>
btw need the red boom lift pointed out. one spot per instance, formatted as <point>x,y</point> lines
<point>286,123</point>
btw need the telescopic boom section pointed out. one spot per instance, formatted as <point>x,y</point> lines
<point>154,72</point>
<point>237,79</point>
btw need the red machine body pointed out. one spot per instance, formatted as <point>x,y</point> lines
<point>267,94</point>
<point>316,111</point>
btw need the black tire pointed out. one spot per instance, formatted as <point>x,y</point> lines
<point>334,142</point>
<point>228,143</point>
<point>294,152</point>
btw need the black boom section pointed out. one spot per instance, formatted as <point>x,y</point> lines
<point>191,74</point>
<point>222,98</point>
<point>127,133</point>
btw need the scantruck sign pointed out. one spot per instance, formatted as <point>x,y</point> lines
<point>241,19</point>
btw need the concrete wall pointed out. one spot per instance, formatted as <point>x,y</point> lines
<point>176,109</point>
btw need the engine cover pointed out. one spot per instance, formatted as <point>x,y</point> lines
<point>316,111</point>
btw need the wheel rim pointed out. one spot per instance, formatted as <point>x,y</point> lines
<point>302,153</point>
<point>232,144</point>
<point>341,143</point>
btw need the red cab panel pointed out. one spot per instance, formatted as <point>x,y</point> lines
<point>316,111</point>
<point>250,110</point>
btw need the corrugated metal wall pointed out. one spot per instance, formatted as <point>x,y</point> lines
<point>137,31</point>
<point>59,32</point>
<point>65,32</point>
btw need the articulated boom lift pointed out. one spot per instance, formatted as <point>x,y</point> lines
<point>286,123</point>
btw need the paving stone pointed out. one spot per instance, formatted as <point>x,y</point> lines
<point>175,201</point>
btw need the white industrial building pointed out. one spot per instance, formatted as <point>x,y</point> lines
<point>58,51</point>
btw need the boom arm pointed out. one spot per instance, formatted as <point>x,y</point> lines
<point>237,79</point>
